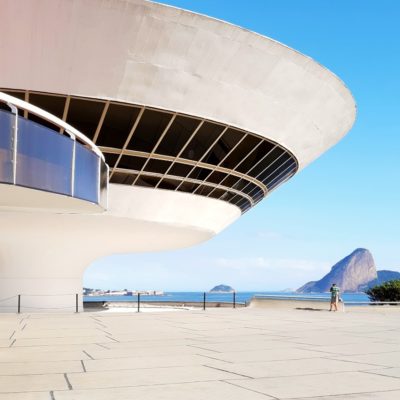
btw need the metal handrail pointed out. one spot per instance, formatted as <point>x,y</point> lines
<point>72,132</point>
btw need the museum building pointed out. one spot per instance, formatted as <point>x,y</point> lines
<point>130,126</point>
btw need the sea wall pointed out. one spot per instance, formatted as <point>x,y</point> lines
<point>300,303</point>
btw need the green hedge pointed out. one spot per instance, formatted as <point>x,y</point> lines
<point>388,291</point>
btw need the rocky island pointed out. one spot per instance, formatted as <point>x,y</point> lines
<point>222,289</point>
<point>352,274</point>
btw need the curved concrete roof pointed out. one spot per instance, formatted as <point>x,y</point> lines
<point>140,52</point>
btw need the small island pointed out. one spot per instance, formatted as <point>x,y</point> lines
<point>222,289</point>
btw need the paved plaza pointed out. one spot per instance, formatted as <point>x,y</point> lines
<point>249,354</point>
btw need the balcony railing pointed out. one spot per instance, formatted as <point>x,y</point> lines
<point>60,160</point>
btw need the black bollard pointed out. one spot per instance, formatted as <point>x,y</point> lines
<point>19,304</point>
<point>77,303</point>
<point>204,300</point>
<point>234,299</point>
<point>138,302</point>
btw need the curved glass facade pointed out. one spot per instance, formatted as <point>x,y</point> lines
<point>156,148</point>
<point>38,157</point>
<point>6,146</point>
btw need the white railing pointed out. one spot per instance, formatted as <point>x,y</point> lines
<point>14,103</point>
<point>62,129</point>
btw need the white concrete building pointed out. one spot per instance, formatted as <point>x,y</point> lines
<point>197,119</point>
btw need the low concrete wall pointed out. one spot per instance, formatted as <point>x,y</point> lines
<point>144,304</point>
<point>292,303</point>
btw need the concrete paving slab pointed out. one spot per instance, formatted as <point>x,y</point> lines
<point>151,376</point>
<point>393,372</point>
<point>61,341</point>
<point>41,367</point>
<point>26,396</point>
<point>391,359</point>
<point>234,346</point>
<point>313,366</point>
<point>332,384</point>
<point>32,383</point>
<point>359,348</point>
<point>142,362</point>
<point>242,353</point>
<point>5,342</point>
<point>40,357</point>
<point>385,395</point>
<point>275,354</point>
<point>188,391</point>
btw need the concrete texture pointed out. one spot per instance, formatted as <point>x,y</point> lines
<point>140,52</point>
<point>238,354</point>
<point>138,220</point>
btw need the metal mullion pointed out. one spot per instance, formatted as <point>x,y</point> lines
<point>183,148</point>
<point>101,121</point>
<point>26,98</point>
<point>269,165</point>
<point>240,203</point>
<point>98,181</point>
<point>248,155</point>
<point>65,112</point>
<point>73,163</point>
<point>283,172</point>
<point>280,182</point>
<point>190,180</point>
<point>281,165</point>
<point>273,162</point>
<point>131,132</point>
<point>110,150</point>
<point>228,154</point>
<point>127,171</point>
<point>229,174</point>
<point>156,145</point>
<point>248,172</point>
<point>205,153</point>
<point>163,157</point>
<point>262,159</point>
<point>240,200</point>
<point>213,185</point>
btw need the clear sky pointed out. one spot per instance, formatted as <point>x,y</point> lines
<point>348,198</point>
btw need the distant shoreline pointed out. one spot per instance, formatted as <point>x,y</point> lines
<point>198,297</point>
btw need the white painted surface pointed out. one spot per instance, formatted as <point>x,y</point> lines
<point>18,198</point>
<point>43,254</point>
<point>292,304</point>
<point>146,53</point>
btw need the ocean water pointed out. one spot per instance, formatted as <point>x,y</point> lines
<point>241,297</point>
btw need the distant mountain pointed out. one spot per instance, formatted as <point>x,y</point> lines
<point>384,276</point>
<point>222,289</point>
<point>352,274</point>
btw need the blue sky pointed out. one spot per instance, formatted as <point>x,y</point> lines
<point>348,198</point>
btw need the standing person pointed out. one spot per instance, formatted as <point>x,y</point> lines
<point>334,296</point>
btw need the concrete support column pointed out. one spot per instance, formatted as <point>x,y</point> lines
<point>40,294</point>
<point>45,279</point>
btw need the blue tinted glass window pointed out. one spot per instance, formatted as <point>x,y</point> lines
<point>86,174</point>
<point>44,159</point>
<point>6,146</point>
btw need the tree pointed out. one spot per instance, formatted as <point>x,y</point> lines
<point>388,291</point>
